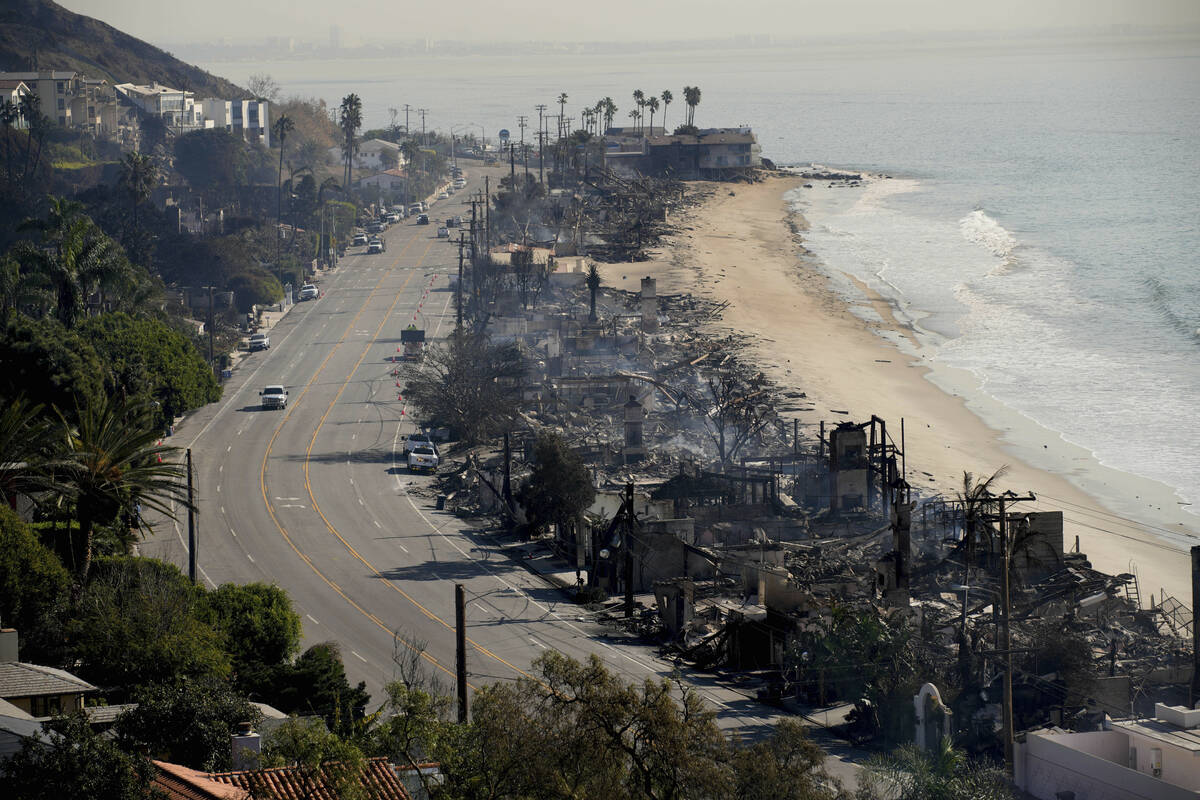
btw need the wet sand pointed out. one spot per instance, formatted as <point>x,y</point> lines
<point>744,246</point>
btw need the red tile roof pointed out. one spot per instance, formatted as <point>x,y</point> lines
<point>283,783</point>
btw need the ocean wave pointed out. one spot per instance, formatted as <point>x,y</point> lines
<point>978,228</point>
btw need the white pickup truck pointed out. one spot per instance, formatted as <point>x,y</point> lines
<point>273,397</point>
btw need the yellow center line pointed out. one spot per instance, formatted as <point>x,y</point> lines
<point>317,507</point>
<point>271,444</point>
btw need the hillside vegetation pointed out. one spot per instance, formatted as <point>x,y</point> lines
<point>63,40</point>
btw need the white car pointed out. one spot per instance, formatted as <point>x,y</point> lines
<point>443,233</point>
<point>309,292</point>
<point>260,341</point>
<point>274,396</point>
<point>423,457</point>
<point>444,196</point>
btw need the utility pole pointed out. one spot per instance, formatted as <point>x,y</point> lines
<point>212,362</point>
<point>191,499</point>
<point>460,637</point>
<point>627,546</point>
<point>422,112</point>
<point>541,107</point>
<point>521,125</point>
<point>487,213</point>
<point>407,130</point>
<point>1006,610</point>
<point>458,311</point>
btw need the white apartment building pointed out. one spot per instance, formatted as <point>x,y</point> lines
<point>250,120</point>
<point>176,107</point>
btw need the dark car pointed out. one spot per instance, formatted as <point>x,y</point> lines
<point>423,219</point>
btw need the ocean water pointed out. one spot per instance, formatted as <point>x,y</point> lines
<point>1040,229</point>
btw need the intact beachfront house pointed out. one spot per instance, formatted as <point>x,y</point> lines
<point>1137,759</point>
<point>372,154</point>
<point>709,154</point>
<point>393,181</point>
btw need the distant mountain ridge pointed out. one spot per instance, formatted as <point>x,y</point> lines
<point>63,40</point>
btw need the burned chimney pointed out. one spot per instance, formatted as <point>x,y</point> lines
<point>635,415</point>
<point>245,747</point>
<point>649,305</point>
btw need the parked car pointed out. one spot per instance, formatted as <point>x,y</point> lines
<point>374,227</point>
<point>416,208</point>
<point>423,457</point>
<point>443,232</point>
<point>444,196</point>
<point>260,341</point>
<point>274,396</point>
<point>418,439</point>
<point>376,245</point>
<point>309,292</point>
<point>359,239</point>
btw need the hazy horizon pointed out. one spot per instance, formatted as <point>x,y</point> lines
<point>367,21</point>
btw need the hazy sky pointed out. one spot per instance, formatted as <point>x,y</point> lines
<point>374,20</point>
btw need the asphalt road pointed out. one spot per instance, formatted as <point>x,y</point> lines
<point>316,500</point>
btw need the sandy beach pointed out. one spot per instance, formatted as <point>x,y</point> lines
<point>745,246</point>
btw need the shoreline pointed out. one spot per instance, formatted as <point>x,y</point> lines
<point>745,244</point>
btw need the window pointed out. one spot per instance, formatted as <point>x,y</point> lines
<point>45,706</point>
<point>62,104</point>
<point>60,87</point>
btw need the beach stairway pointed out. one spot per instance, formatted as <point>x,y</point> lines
<point>1132,590</point>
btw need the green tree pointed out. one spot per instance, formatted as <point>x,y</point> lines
<point>559,487</point>
<point>149,362</point>
<point>652,104</point>
<point>34,588</point>
<point>73,258</point>
<point>691,96</point>
<point>317,684</point>
<point>138,622</point>
<point>787,765</point>
<point>49,364</point>
<point>327,765</point>
<point>349,120</point>
<point>667,98</point>
<point>910,773</point>
<point>185,721</point>
<point>468,385</point>
<point>115,463</point>
<point>138,177</point>
<point>259,624</point>
<point>27,456</point>
<point>74,761</point>
<point>639,99</point>
<point>212,161</point>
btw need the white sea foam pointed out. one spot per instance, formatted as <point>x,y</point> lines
<point>978,228</point>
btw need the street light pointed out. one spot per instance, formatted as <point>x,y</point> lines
<point>453,143</point>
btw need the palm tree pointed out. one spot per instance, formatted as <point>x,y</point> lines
<point>610,112</point>
<point>652,104</point>
<point>26,457</point>
<point>350,120</point>
<point>9,114</point>
<point>282,127</point>
<point>74,257</point>
<point>598,115</point>
<point>974,497</point>
<point>562,112</point>
<point>691,96</point>
<point>138,176</point>
<point>667,97</point>
<point>29,108</point>
<point>639,98</point>
<point>114,464</point>
<point>593,282</point>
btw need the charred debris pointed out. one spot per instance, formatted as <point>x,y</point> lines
<point>799,562</point>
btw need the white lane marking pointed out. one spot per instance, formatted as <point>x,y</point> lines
<point>221,468</point>
<point>222,509</point>
<point>360,658</point>
<point>377,525</point>
<point>402,547</point>
<point>353,436</point>
<point>539,644</point>
<point>250,557</point>
<point>293,505</point>
<point>218,487</point>
<point>360,502</point>
<point>240,430</point>
<point>287,498</point>
<point>230,447</point>
<point>231,530</point>
<point>482,610</point>
<point>352,481</point>
<point>314,619</point>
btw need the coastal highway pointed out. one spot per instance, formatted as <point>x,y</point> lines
<point>316,498</point>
